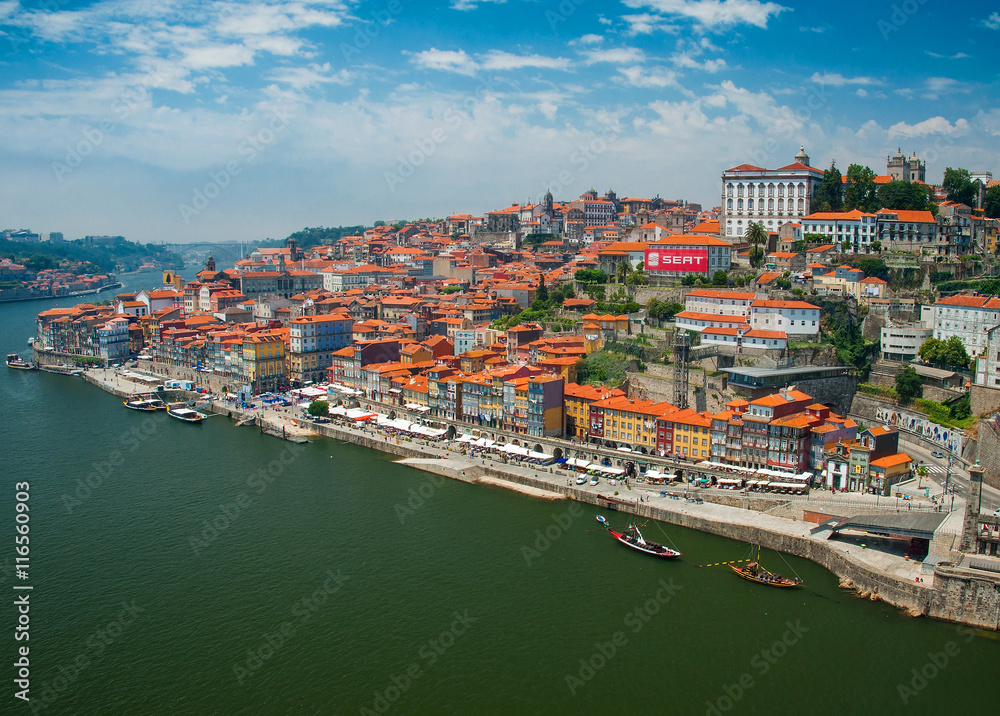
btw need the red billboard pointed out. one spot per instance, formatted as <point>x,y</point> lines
<point>678,260</point>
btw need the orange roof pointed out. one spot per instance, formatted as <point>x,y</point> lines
<point>784,304</point>
<point>735,295</point>
<point>765,334</point>
<point>768,276</point>
<point>900,458</point>
<point>715,330</point>
<point>820,249</point>
<point>690,240</point>
<point>695,316</point>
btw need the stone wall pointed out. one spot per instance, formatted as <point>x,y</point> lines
<point>988,451</point>
<point>984,400</point>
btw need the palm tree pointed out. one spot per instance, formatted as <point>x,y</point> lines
<point>756,236</point>
<point>622,271</point>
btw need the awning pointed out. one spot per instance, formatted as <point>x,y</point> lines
<point>540,456</point>
<point>622,448</point>
<point>465,439</point>
<point>729,481</point>
<point>578,462</point>
<point>610,470</point>
<point>515,450</point>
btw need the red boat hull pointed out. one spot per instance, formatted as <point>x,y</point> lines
<point>650,548</point>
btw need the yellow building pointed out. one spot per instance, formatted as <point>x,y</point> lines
<point>692,434</point>
<point>264,359</point>
<point>578,399</point>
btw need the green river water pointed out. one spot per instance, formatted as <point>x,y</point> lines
<point>183,580</point>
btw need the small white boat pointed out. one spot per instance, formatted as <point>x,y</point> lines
<point>186,414</point>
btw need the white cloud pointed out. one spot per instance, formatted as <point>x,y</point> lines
<point>472,4</point>
<point>714,14</point>
<point>934,125</point>
<point>643,24</point>
<point>614,55</point>
<point>655,77</point>
<point>445,60</point>
<point>300,78</point>
<point>956,56</point>
<point>461,62</point>
<point>686,61</point>
<point>992,22</point>
<point>499,60</point>
<point>589,39</point>
<point>835,79</point>
<point>943,85</point>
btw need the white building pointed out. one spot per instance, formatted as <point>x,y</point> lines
<point>988,364</point>
<point>911,231</point>
<point>795,318</point>
<point>765,339</point>
<point>902,343</point>
<point>693,321</point>
<point>769,196</point>
<point>852,231</point>
<point>725,303</point>
<point>968,317</point>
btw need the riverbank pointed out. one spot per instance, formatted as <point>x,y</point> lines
<point>874,568</point>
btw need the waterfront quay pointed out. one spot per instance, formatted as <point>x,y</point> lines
<point>874,567</point>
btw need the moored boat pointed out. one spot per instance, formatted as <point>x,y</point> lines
<point>184,413</point>
<point>755,573</point>
<point>144,401</point>
<point>633,538</point>
<point>16,361</point>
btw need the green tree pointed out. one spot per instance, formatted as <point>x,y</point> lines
<point>903,196</point>
<point>872,266</point>
<point>955,355</point>
<point>720,278</point>
<point>860,191</point>
<point>622,271</point>
<point>541,293</point>
<point>756,236</point>
<point>908,385</point>
<point>960,187</point>
<point>991,205</point>
<point>663,310</point>
<point>829,195</point>
<point>591,276</point>
<point>318,409</point>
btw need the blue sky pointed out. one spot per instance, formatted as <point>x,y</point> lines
<point>170,120</point>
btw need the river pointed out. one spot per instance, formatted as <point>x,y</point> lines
<point>181,569</point>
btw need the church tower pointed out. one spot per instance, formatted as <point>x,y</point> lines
<point>210,263</point>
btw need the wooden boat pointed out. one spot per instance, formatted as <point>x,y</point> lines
<point>186,414</point>
<point>17,362</point>
<point>754,572</point>
<point>633,539</point>
<point>144,401</point>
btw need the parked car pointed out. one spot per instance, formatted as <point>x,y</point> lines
<point>594,481</point>
<point>996,512</point>
<point>581,480</point>
<point>937,453</point>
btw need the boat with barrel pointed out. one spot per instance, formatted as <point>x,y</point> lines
<point>633,539</point>
<point>147,402</point>
<point>17,362</point>
<point>755,572</point>
<point>184,413</point>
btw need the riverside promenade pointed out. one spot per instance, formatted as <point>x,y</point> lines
<point>875,568</point>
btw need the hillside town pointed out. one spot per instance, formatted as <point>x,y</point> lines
<point>736,336</point>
